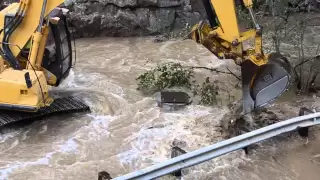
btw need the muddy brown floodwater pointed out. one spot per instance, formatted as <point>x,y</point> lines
<point>116,137</point>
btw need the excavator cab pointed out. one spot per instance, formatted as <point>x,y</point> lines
<point>35,53</point>
<point>264,76</point>
<point>58,59</point>
<point>57,56</point>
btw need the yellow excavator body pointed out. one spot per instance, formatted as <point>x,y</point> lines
<point>25,88</point>
<point>264,76</point>
<point>35,53</point>
<point>15,93</point>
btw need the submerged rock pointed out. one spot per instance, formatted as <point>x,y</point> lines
<point>235,124</point>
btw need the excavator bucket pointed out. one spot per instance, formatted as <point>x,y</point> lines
<point>261,83</point>
<point>265,83</point>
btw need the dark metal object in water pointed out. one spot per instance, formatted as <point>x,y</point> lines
<point>172,99</point>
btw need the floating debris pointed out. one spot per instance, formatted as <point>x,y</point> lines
<point>173,100</point>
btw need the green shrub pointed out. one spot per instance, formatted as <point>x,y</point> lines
<point>209,92</point>
<point>170,75</point>
<point>165,76</point>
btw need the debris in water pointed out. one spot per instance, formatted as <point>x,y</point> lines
<point>172,100</point>
<point>237,124</point>
<point>104,176</point>
<point>160,38</point>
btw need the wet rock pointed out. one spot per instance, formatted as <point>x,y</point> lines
<point>129,17</point>
<point>197,6</point>
<point>148,2</point>
<point>119,3</point>
<point>179,143</point>
<point>235,124</point>
<point>160,38</point>
<point>104,176</point>
<point>262,118</point>
<point>111,20</point>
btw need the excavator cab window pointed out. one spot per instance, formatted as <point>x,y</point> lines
<point>211,15</point>
<point>58,53</point>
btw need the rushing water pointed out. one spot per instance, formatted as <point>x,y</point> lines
<point>117,136</point>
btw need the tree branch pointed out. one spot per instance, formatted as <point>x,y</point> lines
<point>215,70</point>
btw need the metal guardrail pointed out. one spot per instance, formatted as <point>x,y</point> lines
<point>221,148</point>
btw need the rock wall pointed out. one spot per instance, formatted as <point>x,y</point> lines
<point>138,17</point>
<point>132,17</point>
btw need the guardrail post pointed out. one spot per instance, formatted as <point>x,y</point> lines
<point>304,131</point>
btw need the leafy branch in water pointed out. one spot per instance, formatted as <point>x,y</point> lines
<point>209,92</point>
<point>217,71</point>
<point>170,75</point>
<point>165,76</point>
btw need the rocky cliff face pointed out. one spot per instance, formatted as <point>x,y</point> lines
<point>141,17</point>
<point>131,17</point>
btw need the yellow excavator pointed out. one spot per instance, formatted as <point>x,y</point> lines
<point>35,53</point>
<point>264,76</point>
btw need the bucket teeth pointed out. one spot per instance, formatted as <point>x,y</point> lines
<point>59,106</point>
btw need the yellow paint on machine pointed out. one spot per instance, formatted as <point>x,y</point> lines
<point>13,86</point>
<point>30,22</point>
<point>14,91</point>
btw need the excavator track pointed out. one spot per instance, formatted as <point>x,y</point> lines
<point>59,106</point>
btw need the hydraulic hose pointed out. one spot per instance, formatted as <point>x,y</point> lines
<point>4,52</point>
<point>7,50</point>
<point>211,15</point>
<point>8,30</point>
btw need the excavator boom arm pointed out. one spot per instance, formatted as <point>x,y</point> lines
<point>29,23</point>
<point>263,76</point>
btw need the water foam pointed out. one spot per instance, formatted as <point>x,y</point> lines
<point>9,133</point>
<point>5,172</point>
<point>150,146</point>
<point>99,123</point>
